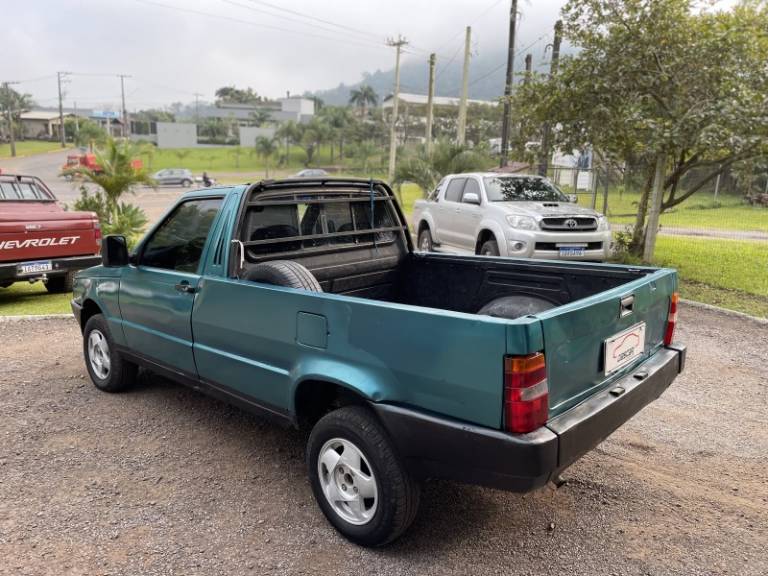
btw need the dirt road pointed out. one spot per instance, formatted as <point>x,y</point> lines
<point>163,480</point>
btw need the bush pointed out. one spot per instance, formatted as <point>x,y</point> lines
<point>124,219</point>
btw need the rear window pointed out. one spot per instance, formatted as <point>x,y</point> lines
<point>22,191</point>
<point>315,224</point>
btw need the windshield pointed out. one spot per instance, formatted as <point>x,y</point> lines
<point>522,188</point>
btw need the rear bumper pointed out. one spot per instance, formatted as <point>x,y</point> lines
<point>9,271</point>
<point>442,448</point>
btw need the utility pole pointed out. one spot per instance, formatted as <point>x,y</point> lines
<point>461,132</point>
<point>430,103</point>
<point>398,44</point>
<point>528,67</point>
<point>508,85</point>
<point>126,129</point>
<point>9,112</point>
<point>546,135</point>
<point>59,77</point>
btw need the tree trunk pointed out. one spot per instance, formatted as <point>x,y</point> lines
<point>656,199</point>
<point>638,234</point>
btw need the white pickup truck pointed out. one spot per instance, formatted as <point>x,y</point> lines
<point>519,216</point>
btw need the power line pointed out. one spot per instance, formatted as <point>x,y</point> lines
<point>483,13</point>
<point>257,24</point>
<point>297,20</point>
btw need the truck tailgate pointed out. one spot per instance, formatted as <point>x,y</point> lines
<point>578,336</point>
<point>48,235</point>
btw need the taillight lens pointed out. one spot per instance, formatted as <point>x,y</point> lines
<point>671,319</point>
<point>97,230</point>
<point>526,394</point>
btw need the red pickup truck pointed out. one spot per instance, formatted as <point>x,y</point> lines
<point>39,240</point>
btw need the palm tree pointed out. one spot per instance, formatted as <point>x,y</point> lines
<point>116,173</point>
<point>362,97</point>
<point>265,148</point>
<point>260,117</point>
<point>446,158</point>
<point>289,132</point>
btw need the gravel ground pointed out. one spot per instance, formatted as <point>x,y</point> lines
<point>162,480</point>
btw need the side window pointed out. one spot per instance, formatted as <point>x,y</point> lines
<point>434,196</point>
<point>472,187</point>
<point>455,187</point>
<point>179,241</point>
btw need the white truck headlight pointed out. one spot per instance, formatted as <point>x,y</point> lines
<point>522,222</point>
<point>602,224</point>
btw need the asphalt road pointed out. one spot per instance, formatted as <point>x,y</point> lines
<point>163,480</point>
<point>47,167</point>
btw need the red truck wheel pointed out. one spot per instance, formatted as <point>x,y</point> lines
<point>60,284</point>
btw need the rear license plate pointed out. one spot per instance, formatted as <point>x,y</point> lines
<point>571,251</point>
<point>34,267</point>
<point>624,347</point>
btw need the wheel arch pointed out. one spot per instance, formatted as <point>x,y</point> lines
<point>490,231</point>
<point>90,309</point>
<point>427,221</point>
<point>315,396</point>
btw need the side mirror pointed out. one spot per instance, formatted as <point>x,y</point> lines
<point>573,198</point>
<point>114,251</point>
<point>471,198</point>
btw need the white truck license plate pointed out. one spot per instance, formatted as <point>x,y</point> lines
<point>624,347</point>
<point>34,267</point>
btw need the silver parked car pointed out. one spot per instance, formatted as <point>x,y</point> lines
<point>311,173</point>
<point>174,177</point>
<point>516,215</point>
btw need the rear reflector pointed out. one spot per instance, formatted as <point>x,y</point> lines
<point>526,394</point>
<point>671,319</point>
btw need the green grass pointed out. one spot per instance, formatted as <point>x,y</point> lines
<point>728,264</point>
<point>29,147</point>
<point>731,299</point>
<point>24,298</point>
<point>699,211</point>
<point>225,159</point>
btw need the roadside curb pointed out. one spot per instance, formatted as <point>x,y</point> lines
<point>725,311</point>
<point>18,156</point>
<point>33,317</point>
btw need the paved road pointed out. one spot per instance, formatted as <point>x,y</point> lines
<point>163,480</point>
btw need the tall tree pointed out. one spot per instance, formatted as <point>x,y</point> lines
<point>363,97</point>
<point>265,148</point>
<point>679,89</point>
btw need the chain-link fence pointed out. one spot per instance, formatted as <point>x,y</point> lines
<point>717,237</point>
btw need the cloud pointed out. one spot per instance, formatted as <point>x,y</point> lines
<point>175,48</point>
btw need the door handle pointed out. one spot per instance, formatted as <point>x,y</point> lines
<point>184,286</point>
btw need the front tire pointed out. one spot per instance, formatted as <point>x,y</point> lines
<point>359,482</point>
<point>106,367</point>
<point>489,248</point>
<point>425,240</point>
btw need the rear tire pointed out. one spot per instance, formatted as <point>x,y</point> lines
<point>106,367</point>
<point>425,240</point>
<point>349,455</point>
<point>186,183</point>
<point>60,284</point>
<point>489,248</point>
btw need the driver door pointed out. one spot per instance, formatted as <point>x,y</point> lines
<point>157,294</point>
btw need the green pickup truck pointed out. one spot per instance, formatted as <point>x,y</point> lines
<point>304,300</point>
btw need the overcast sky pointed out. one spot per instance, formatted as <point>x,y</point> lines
<point>174,48</point>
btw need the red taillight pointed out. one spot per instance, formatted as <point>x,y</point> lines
<point>97,230</point>
<point>671,319</point>
<point>526,395</point>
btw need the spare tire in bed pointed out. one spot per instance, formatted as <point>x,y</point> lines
<point>284,273</point>
<point>511,307</point>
